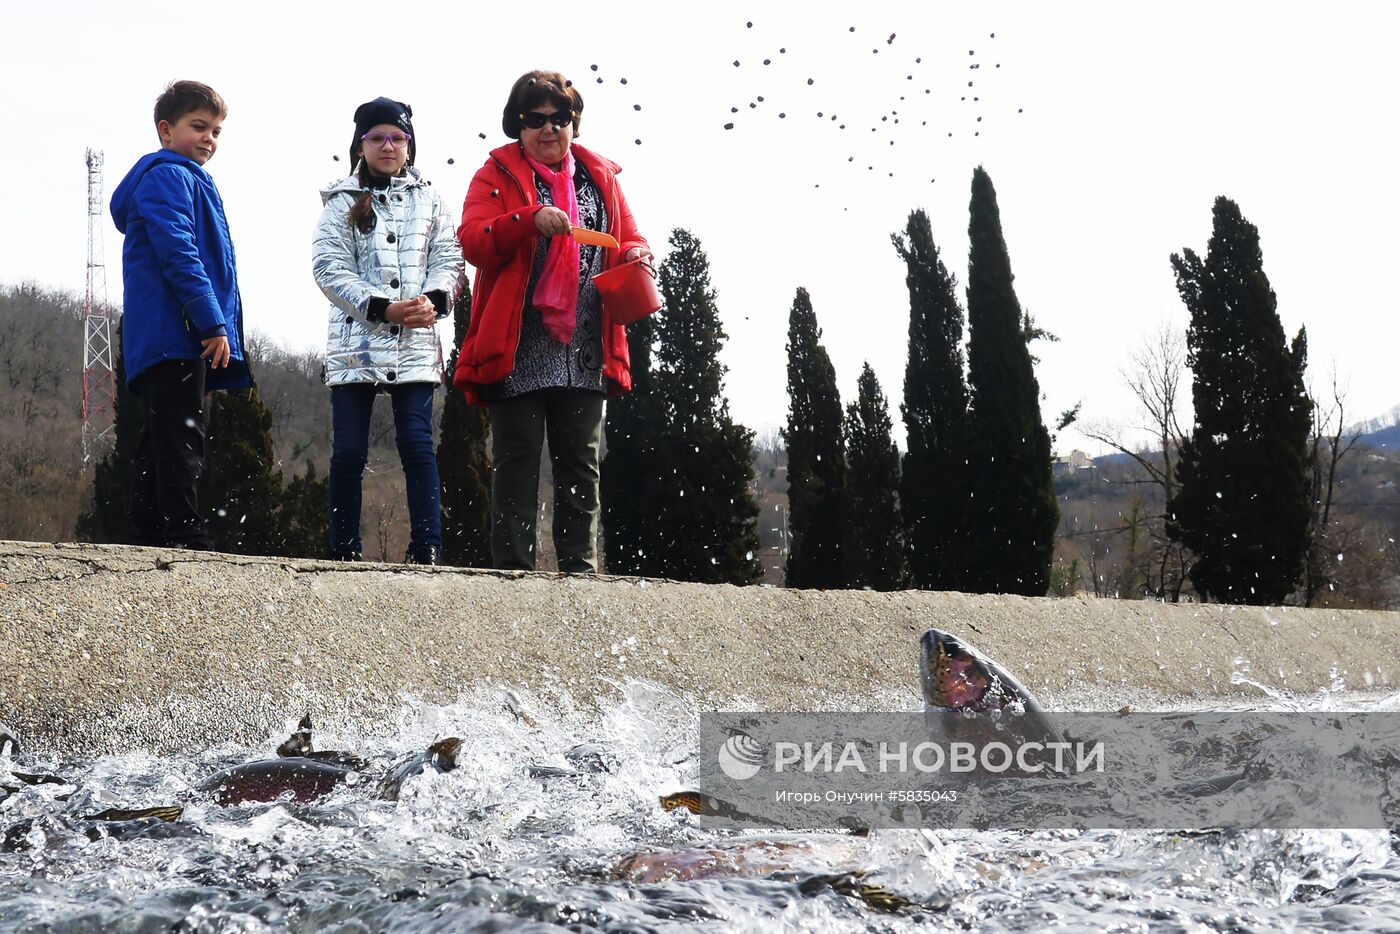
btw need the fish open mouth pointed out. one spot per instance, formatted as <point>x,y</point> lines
<point>952,677</point>
<point>961,683</point>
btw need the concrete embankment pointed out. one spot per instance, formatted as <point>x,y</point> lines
<point>105,647</point>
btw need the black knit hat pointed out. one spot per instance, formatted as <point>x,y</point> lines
<point>383,110</point>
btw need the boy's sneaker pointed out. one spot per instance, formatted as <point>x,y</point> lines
<point>423,554</point>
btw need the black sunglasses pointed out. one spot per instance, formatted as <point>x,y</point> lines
<point>534,119</point>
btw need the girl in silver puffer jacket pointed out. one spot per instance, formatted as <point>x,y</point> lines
<point>386,255</point>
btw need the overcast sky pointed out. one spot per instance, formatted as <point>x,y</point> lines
<point>1107,128</point>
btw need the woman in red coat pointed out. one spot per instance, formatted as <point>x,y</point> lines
<point>539,351</point>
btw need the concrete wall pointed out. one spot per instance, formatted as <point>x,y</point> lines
<point>105,647</point>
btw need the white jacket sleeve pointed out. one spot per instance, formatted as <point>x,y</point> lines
<point>333,261</point>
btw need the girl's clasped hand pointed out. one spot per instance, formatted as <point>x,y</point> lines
<point>412,312</point>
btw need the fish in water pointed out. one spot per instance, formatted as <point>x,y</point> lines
<point>956,678</point>
<point>594,758</point>
<point>32,778</point>
<point>584,759</point>
<point>439,757</point>
<point>299,745</point>
<point>299,773</point>
<point>293,777</point>
<point>854,885</point>
<point>771,858</point>
<point>517,708</point>
<point>118,823</point>
<point>994,705</point>
<point>703,805</point>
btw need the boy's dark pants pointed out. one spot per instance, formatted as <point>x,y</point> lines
<point>572,420</point>
<point>170,457</point>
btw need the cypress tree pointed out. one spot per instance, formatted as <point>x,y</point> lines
<point>706,514</point>
<point>632,469</point>
<point>1012,509</point>
<point>305,515</point>
<point>109,519</point>
<point>875,534</point>
<point>241,490</point>
<point>816,455</point>
<point>933,481</point>
<point>1242,505</point>
<point>464,464</point>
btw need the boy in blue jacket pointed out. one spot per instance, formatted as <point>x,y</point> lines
<point>182,323</point>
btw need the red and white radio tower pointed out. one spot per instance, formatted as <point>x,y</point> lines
<point>99,380</point>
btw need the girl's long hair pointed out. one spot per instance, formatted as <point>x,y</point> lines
<point>362,212</point>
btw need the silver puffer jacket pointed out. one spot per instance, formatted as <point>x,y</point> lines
<point>411,249</point>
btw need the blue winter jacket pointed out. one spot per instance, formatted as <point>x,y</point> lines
<point>179,280</point>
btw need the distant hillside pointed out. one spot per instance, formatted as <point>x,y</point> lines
<point>1109,509</point>
<point>44,482</point>
<point>1383,439</point>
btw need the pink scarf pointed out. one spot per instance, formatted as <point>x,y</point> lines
<point>556,292</point>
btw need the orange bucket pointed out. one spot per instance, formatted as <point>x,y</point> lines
<point>628,291</point>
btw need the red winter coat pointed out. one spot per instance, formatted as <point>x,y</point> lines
<point>498,238</point>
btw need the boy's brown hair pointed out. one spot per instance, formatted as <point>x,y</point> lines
<point>182,97</point>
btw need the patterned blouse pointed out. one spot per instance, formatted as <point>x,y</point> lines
<point>541,362</point>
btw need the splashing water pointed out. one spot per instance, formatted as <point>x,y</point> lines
<point>584,845</point>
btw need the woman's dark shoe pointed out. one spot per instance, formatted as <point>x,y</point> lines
<point>345,554</point>
<point>423,554</point>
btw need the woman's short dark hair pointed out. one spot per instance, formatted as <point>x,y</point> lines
<point>535,88</point>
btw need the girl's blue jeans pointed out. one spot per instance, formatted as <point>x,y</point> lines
<point>351,407</point>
